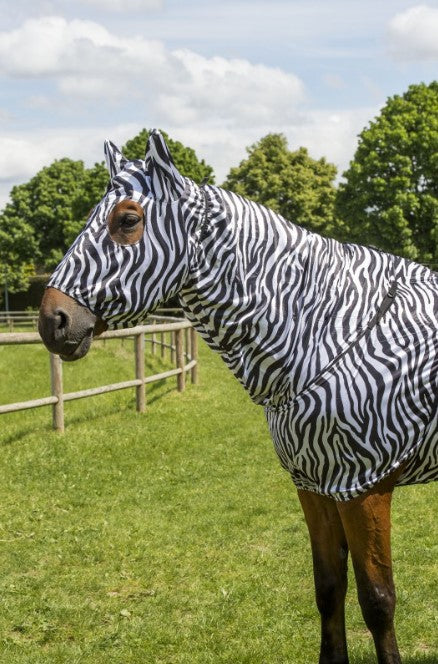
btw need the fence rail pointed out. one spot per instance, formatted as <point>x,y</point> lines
<point>182,343</point>
<point>12,319</point>
<point>29,318</point>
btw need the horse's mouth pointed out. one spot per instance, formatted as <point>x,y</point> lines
<point>67,327</point>
<point>79,350</point>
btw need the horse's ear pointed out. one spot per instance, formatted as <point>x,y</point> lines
<point>167,181</point>
<point>115,161</point>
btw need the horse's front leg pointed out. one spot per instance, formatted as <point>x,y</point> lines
<point>330,554</point>
<point>367,525</point>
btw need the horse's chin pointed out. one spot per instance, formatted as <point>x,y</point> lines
<point>79,352</point>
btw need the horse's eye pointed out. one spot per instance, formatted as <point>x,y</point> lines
<point>129,221</point>
<point>126,222</point>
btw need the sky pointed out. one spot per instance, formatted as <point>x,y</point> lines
<point>216,75</point>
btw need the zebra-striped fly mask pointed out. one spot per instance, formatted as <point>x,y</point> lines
<point>149,200</point>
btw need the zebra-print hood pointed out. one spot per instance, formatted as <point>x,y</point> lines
<point>122,283</point>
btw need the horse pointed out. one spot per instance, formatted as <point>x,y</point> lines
<point>338,343</point>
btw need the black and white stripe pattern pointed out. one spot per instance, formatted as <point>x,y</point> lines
<point>123,283</point>
<point>347,375</point>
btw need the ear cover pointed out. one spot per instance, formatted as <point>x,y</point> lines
<point>115,160</point>
<point>167,182</point>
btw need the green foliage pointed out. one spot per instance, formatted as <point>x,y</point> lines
<point>290,182</point>
<point>390,195</point>
<point>17,252</point>
<point>31,297</point>
<point>46,214</point>
<point>184,157</point>
<point>172,536</point>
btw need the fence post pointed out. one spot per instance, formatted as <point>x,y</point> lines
<point>172,346</point>
<point>194,355</point>
<point>153,338</point>
<point>57,391</point>
<point>179,344</point>
<point>139,372</point>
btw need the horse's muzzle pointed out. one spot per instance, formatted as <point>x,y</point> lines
<point>66,327</point>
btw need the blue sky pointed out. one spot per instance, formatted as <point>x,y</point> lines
<point>215,75</point>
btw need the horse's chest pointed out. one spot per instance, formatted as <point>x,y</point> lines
<point>370,407</point>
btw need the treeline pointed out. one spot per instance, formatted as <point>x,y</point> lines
<point>388,197</point>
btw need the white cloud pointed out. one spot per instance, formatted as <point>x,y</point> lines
<point>236,89</point>
<point>123,5</point>
<point>216,105</point>
<point>54,47</point>
<point>413,34</point>
<point>23,154</point>
<point>28,8</point>
<point>331,134</point>
<point>18,159</point>
<point>46,47</point>
<point>188,94</point>
<point>87,61</point>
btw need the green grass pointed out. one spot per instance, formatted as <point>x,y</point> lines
<point>173,536</point>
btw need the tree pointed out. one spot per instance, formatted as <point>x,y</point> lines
<point>184,157</point>
<point>17,252</point>
<point>390,195</point>
<point>45,215</point>
<point>290,182</point>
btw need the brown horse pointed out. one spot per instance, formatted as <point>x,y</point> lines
<point>361,526</point>
<point>137,250</point>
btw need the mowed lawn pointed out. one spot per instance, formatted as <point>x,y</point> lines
<point>172,536</point>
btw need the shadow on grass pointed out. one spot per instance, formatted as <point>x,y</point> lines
<point>430,658</point>
<point>156,391</point>
<point>158,387</point>
<point>20,434</point>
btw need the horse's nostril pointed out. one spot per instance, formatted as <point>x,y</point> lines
<point>61,319</point>
<point>61,322</point>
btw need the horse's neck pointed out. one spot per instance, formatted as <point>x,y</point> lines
<point>253,270</point>
<point>277,302</point>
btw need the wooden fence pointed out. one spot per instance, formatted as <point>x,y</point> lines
<point>178,336</point>
<point>12,319</point>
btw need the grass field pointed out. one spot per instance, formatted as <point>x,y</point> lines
<point>172,536</point>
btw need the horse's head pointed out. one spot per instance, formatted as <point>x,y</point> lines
<point>132,255</point>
